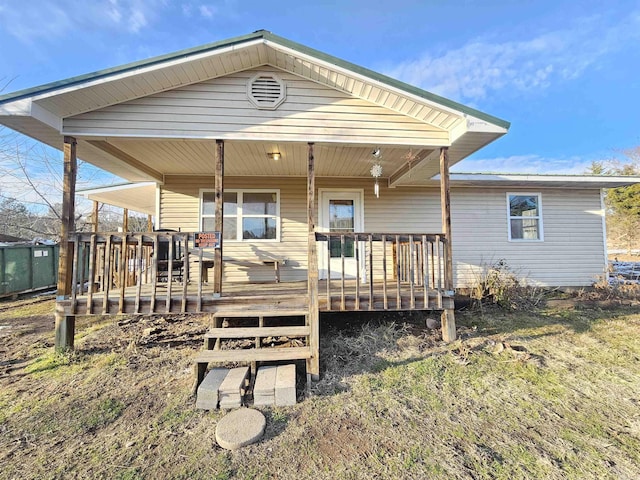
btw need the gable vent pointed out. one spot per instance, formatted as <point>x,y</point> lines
<point>266,91</point>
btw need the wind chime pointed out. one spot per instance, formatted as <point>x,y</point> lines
<point>376,170</point>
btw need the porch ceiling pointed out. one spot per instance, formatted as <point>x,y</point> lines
<point>195,157</point>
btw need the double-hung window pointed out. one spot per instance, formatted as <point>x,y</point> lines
<point>249,215</point>
<point>524,212</point>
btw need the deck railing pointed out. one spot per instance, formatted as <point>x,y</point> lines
<point>384,271</point>
<point>157,272</point>
<point>112,262</point>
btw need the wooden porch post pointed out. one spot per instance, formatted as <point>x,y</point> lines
<point>313,364</point>
<point>65,324</point>
<point>94,217</point>
<point>149,223</point>
<point>447,319</point>
<point>219,213</point>
<point>125,220</point>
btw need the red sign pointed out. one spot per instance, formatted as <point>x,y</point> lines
<point>206,240</point>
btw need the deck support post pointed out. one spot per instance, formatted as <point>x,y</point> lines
<point>219,213</point>
<point>447,319</point>
<point>149,223</point>
<point>313,364</point>
<point>65,324</point>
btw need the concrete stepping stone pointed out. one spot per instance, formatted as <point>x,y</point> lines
<point>232,389</point>
<point>207,394</point>
<point>264,388</point>
<point>240,428</point>
<point>285,387</point>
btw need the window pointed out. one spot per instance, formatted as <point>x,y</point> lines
<point>525,216</point>
<point>248,214</point>
<point>342,220</point>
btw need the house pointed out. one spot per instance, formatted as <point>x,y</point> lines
<point>563,246</point>
<point>287,182</point>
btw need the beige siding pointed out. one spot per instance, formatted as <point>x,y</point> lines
<point>180,197</point>
<point>219,108</point>
<point>572,253</point>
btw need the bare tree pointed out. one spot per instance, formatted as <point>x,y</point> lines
<point>31,188</point>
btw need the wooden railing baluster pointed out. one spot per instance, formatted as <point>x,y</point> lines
<point>201,266</point>
<point>342,299</point>
<point>412,296</point>
<point>92,273</point>
<point>139,262</point>
<point>74,274</point>
<point>424,274</point>
<point>169,273</point>
<point>107,276</point>
<point>329,272</point>
<point>357,255</point>
<point>123,272</point>
<point>154,274</point>
<point>370,272</point>
<point>398,274</point>
<point>185,271</point>
<point>385,301</point>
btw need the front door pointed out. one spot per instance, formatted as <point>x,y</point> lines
<point>340,212</point>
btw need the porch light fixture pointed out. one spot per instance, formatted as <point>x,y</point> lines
<point>274,156</point>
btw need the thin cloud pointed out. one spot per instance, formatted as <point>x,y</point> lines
<point>30,25</point>
<point>207,11</point>
<point>480,67</point>
<point>531,163</point>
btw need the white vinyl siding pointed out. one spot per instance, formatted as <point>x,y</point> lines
<point>220,109</point>
<point>573,253</point>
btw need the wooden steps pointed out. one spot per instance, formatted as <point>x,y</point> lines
<point>248,332</point>
<point>214,352</point>
<point>254,354</point>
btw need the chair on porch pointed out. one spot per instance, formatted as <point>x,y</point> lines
<point>164,262</point>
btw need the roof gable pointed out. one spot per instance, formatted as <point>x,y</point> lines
<point>237,54</point>
<point>50,111</point>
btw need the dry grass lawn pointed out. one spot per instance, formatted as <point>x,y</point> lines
<point>553,393</point>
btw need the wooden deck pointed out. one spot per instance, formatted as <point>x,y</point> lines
<point>254,296</point>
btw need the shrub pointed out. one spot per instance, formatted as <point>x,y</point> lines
<point>497,284</point>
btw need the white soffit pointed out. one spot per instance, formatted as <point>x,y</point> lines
<point>137,197</point>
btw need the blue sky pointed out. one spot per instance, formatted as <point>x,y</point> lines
<point>566,74</point>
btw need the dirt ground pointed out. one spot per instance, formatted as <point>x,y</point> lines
<point>532,395</point>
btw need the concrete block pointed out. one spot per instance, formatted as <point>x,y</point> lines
<point>232,389</point>
<point>285,386</point>
<point>264,388</point>
<point>207,394</point>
